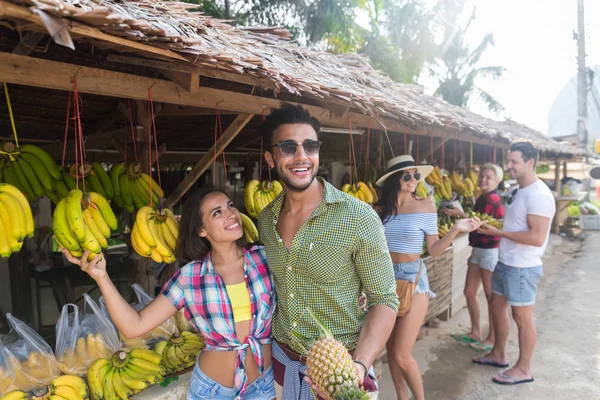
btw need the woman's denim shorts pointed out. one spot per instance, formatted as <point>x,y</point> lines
<point>203,387</point>
<point>408,272</point>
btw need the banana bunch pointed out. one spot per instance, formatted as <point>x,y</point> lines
<point>180,351</point>
<point>132,187</point>
<point>93,176</point>
<point>155,234</point>
<point>250,230</point>
<point>15,395</point>
<point>444,229</point>
<point>124,374</point>
<point>83,221</point>
<point>443,188</point>
<point>183,324</point>
<point>435,176</point>
<point>360,191</point>
<point>16,220</point>
<point>161,332</point>
<point>422,191</point>
<point>258,195</point>
<point>474,179</point>
<point>6,380</point>
<point>466,187</point>
<point>76,360</point>
<point>32,171</point>
<point>39,368</point>
<point>487,218</point>
<point>67,387</point>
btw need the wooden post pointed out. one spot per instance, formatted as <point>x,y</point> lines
<point>230,133</point>
<point>564,169</point>
<point>20,287</point>
<point>558,189</point>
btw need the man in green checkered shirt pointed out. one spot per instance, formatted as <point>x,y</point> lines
<point>323,247</point>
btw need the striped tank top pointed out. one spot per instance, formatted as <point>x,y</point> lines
<point>405,233</point>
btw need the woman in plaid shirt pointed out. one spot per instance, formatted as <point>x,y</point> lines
<point>483,258</point>
<point>227,293</point>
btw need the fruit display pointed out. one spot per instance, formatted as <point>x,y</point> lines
<point>330,366</point>
<point>445,223</point>
<point>441,184</point>
<point>76,360</point>
<point>124,374</point>
<point>155,234</point>
<point>180,351</point>
<point>465,187</point>
<point>257,195</point>
<point>38,369</point>
<point>134,188</point>
<point>487,218</point>
<point>83,221</point>
<point>15,395</point>
<point>32,171</point>
<point>67,387</point>
<point>16,220</point>
<point>250,230</point>
<point>360,191</point>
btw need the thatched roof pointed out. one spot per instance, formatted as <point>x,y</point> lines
<point>266,54</point>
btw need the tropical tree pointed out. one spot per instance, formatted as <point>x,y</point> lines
<point>458,68</point>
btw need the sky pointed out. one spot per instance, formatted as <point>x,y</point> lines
<point>534,41</point>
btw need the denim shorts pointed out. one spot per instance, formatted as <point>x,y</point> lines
<point>408,272</point>
<point>202,387</point>
<point>485,258</point>
<point>518,285</point>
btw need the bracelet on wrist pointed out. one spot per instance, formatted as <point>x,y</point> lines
<point>364,367</point>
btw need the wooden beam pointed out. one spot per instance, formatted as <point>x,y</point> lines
<point>230,133</point>
<point>25,71</point>
<point>170,110</point>
<point>27,45</point>
<point>186,80</point>
<point>13,11</point>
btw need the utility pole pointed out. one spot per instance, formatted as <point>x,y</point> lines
<point>582,79</point>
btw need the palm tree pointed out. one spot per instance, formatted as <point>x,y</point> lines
<point>458,69</point>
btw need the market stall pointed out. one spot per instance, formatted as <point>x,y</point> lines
<point>170,99</point>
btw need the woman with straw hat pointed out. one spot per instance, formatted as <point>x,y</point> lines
<point>409,221</point>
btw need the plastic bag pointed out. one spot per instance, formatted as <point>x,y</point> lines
<point>82,339</point>
<point>26,360</point>
<point>149,340</point>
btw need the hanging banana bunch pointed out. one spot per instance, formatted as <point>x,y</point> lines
<point>421,190</point>
<point>83,221</point>
<point>360,191</point>
<point>258,195</point>
<point>31,170</point>
<point>132,187</point>
<point>474,179</point>
<point>16,220</point>
<point>93,176</point>
<point>155,234</point>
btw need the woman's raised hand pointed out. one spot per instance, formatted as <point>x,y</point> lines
<point>95,268</point>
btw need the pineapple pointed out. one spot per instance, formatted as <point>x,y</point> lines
<point>330,366</point>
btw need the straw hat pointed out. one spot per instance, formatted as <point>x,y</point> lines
<point>402,163</point>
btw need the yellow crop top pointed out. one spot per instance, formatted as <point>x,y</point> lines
<point>240,302</point>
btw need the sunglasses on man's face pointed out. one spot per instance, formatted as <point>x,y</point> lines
<point>288,147</point>
<point>406,177</point>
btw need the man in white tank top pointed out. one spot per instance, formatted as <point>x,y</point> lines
<point>523,241</point>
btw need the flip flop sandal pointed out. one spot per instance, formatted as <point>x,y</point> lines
<point>486,361</point>
<point>511,380</point>
<point>480,347</point>
<point>461,337</point>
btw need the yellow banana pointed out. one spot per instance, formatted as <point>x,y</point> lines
<point>152,368</point>
<point>258,202</point>
<point>96,375</point>
<point>141,220</point>
<point>107,385</point>
<point>141,247</point>
<point>15,395</point>
<point>99,220</point>
<point>248,225</point>
<point>373,192</point>
<point>74,382</point>
<point>142,374</point>
<point>105,210</point>
<point>172,223</point>
<point>25,208</point>
<point>249,191</point>
<point>155,255</point>
<point>161,246</point>
<point>145,354</point>
<point>368,197</point>
<point>277,187</point>
<point>11,210</point>
<point>5,248</point>
<point>122,391</point>
<point>87,216</point>
<point>90,243</point>
<point>131,383</point>
<point>66,392</point>
<point>75,215</point>
<point>155,187</point>
<point>167,235</point>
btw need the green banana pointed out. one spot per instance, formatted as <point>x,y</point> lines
<point>115,173</point>
<point>61,188</point>
<point>94,184</point>
<point>155,187</point>
<point>99,220</point>
<point>125,190</point>
<point>23,183</point>
<point>138,197</point>
<point>104,180</point>
<point>10,178</point>
<point>69,181</point>
<point>145,187</point>
<point>40,170</point>
<point>32,178</point>
<point>44,157</point>
<point>52,196</point>
<point>105,210</point>
<point>2,161</point>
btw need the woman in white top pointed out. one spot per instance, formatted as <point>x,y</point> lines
<point>408,221</point>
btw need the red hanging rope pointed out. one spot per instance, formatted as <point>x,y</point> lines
<point>66,129</point>
<point>79,158</point>
<point>223,148</point>
<point>151,132</point>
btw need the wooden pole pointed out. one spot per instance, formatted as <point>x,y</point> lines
<point>230,133</point>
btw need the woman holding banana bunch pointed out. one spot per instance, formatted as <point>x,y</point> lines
<point>483,258</point>
<point>226,291</point>
<point>409,221</point>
